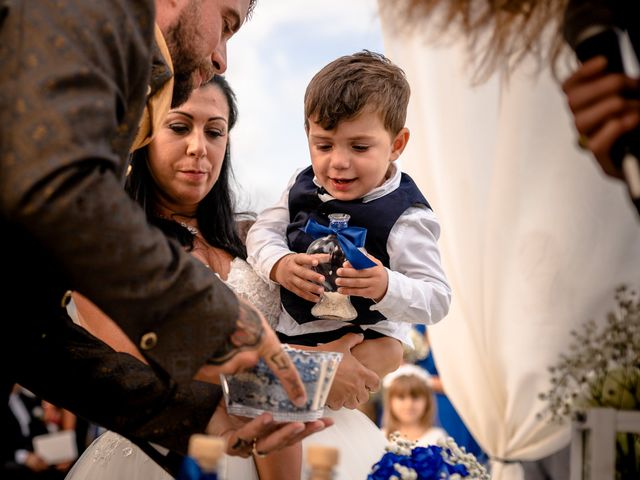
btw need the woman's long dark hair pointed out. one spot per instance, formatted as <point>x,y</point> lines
<point>216,211</point>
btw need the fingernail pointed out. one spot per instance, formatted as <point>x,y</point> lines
<point>299,401</point>
<point>298,429</point>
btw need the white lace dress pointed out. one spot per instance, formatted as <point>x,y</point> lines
<point>358,439</point>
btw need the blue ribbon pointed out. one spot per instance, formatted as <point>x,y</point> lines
<point>349,238</point>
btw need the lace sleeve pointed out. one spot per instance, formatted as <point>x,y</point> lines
<point>246,283</point>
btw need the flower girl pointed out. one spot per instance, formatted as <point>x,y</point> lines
<point>409,406</point>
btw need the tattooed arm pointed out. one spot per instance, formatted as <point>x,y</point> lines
<point>250,331</point>
<point>253,333</point>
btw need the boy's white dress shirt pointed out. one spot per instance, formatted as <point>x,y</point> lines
<point>418,291</point>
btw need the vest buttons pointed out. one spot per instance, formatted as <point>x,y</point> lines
<point>148,341</point>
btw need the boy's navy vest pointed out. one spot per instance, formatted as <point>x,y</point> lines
<point>377,216</point>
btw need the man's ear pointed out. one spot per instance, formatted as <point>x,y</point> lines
<point>399,143</point>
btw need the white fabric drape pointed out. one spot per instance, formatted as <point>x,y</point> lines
<point>534,238</point>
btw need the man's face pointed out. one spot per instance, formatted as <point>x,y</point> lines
<point>197,40</point>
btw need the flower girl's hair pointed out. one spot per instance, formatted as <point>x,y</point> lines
<point>407,380</point>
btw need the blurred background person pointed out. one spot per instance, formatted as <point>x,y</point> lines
<point>409,406</point>
<point>26,417</point>
<point>446,415</point>
<point>524,211</point>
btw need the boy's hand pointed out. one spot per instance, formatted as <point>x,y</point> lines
<point>369,282</point>
<point>294,273</point>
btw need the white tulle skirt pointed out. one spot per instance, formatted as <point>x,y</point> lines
<point>112,456</point>
<point>358,439</point>
<point>360,443</point>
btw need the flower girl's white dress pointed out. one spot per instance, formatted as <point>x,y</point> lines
<point>359,441</point>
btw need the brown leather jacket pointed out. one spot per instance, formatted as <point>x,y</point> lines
<point>74,77</point>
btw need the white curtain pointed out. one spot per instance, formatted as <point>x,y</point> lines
<point>534,238</point>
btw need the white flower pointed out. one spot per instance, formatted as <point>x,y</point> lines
<point>451,453</point>
<point>406,473</point>
<point>601,368</point>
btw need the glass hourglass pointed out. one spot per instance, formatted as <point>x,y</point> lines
<point>332,305</point>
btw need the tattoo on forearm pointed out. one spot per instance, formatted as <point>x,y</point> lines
<point>248,333</point>
<point>249,329</point>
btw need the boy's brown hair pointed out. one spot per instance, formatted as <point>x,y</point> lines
<point>350,84</point>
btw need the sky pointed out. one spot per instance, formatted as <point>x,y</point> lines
<point>270,61</point>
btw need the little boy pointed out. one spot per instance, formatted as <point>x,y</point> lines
<point>355,109</point>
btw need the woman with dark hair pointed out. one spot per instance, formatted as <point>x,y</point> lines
<point>214,214</point>
<point>182,180</point>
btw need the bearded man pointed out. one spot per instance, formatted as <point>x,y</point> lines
<point>77,78</point>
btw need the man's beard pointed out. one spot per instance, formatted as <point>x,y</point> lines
<point>182,39</point>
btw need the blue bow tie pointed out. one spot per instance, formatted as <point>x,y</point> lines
<point>350,239</point>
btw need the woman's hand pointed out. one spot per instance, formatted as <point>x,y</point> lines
<point>353,381</point>
<point>602,108</point>
<point>260,435</point>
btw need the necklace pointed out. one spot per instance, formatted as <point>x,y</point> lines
<point>192,230</point>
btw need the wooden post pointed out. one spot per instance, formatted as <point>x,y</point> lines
<point>593,442</point>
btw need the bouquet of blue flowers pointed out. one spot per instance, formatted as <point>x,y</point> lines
<point>445,461</point>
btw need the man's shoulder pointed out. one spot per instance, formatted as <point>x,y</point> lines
<point>52,34</point>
